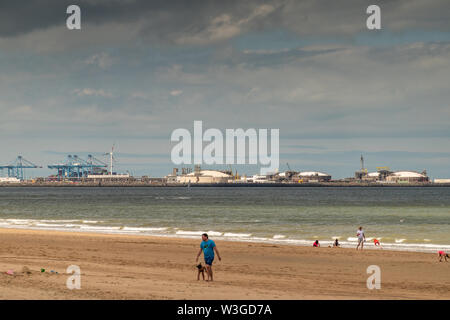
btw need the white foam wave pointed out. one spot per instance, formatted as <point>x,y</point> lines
<point>99,228</point>
<point>57,221</point>
<point>189,233</point>
<point>19,221</point>
<point>53,225</point>
<point>82,226</point>
<point>214,233</point>
<point>237,235</point>
<point>143,229</point>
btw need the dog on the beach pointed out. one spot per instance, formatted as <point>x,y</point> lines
<point>201,269</point>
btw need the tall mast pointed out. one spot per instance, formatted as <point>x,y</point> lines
<point>111,157</point>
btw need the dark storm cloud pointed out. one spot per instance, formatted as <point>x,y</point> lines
<point>187,16</point>
<point>200,22</point>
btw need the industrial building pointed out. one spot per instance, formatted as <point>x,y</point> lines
<point>298,177</point>
<point>257,179</point>
<point>9,180</point>
<point>313,176</point>
<point>91,170</point>
<point>445,181</point>
<point>384,174</point>
<point>108,177</point>
<point>205,176</point>
<point>407,177</point>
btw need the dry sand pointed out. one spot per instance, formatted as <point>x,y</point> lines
<point>142,267</point>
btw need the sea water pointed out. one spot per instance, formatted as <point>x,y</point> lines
<point>402,218</point>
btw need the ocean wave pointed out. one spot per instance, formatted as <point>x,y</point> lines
<point>214,233</point>
<point>57,221</point>
<point>46,224</point>
<point>237,235</point>
<point>99,228</point>
<point>143,229</point>
<point>53,225</point>
<point>19,221</point>
<point>91,221</point>
<point>189,233</point>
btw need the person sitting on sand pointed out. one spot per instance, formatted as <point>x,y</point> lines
<point>316,244</point>
<point>208,247</point>
<point>361,238</point>
<point>336,243</point>
<point>444,255</point>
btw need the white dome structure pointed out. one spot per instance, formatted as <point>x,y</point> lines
<point>210,173</point>
<point>205,176</point>
<point>373,174</point>
<point>314,176</point>
<point>312,173</point>
<point>407,176</point>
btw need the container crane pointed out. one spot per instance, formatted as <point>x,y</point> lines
<point>16,169</point>
<point>75,168</point>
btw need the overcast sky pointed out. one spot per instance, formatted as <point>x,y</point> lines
<point>137,70</point>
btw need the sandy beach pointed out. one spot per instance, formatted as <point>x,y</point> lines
<point>143,267</point>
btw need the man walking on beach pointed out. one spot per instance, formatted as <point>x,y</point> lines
<point>361,238</point>
<point>208,247</point>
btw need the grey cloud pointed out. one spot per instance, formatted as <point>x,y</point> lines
<point>163,18</point>
<point>332,93</point>
<point>40,25</point>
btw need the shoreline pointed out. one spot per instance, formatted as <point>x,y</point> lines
<point>386,246</point>
<point>146,267</point>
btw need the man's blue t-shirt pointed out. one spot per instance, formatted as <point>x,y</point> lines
<point>207,247</point>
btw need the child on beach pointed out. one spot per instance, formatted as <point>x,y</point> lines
<point>336,243</point>
<point>376,242</point>
<point>316,244</point>
<point>444,255</point>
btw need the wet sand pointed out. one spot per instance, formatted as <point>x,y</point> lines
<point>143,267</point>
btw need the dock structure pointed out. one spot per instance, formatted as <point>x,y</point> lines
<point>75,168</point>
<point>16,168</point>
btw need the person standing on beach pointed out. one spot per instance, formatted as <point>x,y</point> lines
<point>208,247</point>
<point>361,238</point>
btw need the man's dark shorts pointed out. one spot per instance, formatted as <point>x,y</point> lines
<point>209,261</point>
